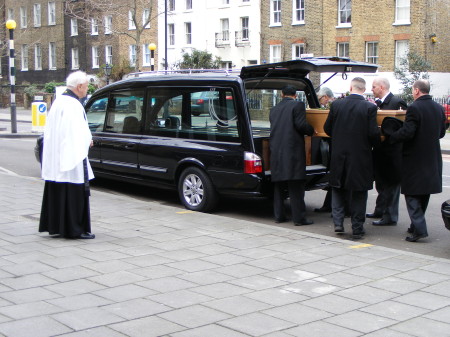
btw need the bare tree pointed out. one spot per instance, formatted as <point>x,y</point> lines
<point>137,14</point>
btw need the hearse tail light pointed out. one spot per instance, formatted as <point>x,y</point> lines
<point>200,101</point>
<point>252,163</point>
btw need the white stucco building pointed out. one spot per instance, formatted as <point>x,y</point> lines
<point>229,29</point>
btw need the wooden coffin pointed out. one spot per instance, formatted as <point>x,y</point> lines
<point>317,118</point>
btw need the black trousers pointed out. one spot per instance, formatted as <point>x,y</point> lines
<point>296,190</point>
<point>387,200</point>
<point>357,206</point>
<point>417,206</point>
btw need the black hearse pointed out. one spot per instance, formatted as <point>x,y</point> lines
<point>147,129</point>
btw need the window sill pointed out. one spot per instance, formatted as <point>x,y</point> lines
<point>275,25</point>
<point>347,25</point>
<point>24,69</point>
<point>298,23</point>
<point>402,23</point>
<point>94,34</point>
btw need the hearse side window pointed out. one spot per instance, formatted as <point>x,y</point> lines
<point>193,113</point>
<point>95,114</point>
<point>125,110</point>
<point>260,101</point>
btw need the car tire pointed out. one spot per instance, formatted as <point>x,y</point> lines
<point>196,190</point>
<point>196,113</point>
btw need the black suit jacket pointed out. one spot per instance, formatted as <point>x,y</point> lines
<point>288,127</point>
<point>422,159</point>
<point>352,125</point>
<point>386,156</point>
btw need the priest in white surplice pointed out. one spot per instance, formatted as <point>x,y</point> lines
<point>65,168</point>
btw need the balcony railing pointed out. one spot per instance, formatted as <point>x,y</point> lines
<point>241,38</point>
<point>223,39</point>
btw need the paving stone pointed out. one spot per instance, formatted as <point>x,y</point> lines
<point>424,300</point>
<point>291,275</point>
<point>226,259</point>
<point>423,327</point>
<point>373,272</point>
<point>117,278</point>
<point>209,330</point>
<point>136,308</point>
<point>95,332</point>
<point>240,270</point>
<point>75,287</point>
<point>343,279</point>
<point>213,249</point>
<point>334,304</point>
<point>386,333</point>
<point>364,293</point>
<point>152,326</point>
<point>27,281</point>
<point>205,277</point>
<point>322,268</point>
<point>124,293</point>
<point>438,267</point>
<point>27,310</point>
<point>147,260</point>
<point>311,288</point>
<point>192,265</point>
<point>396,285</point>
<point>153,272</point>
<point>194,316</point>
<point>361,321</point>
<point>349,260</point>
<point>29,295</point>
<point>237,305</point>
<point>256,324</point>
<point>180,298</point>
<point>81,301</point>
<point>321,329</point>
<point>70,274</point>
<point>167,284</point>
<point>297,313</point>
<point>276,296</point>
<point>256,253</point>
<point>220,290</point>
<point>301,257</point>
<point>272,263</point>
<point>423,276</point>
<point>442,315</point>
<point>32,267</point>
<point>399,263</point>
<point>109,266</point>
<point>40,327</point>
<point>395,310</point>
<point>86,318</point>
<point>257,282</point>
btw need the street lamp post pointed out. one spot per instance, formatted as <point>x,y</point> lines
<point>11,25</point>
<point>152,48</point>
<point>107,70</point>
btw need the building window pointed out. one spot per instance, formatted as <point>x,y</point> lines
<point>146,18</point>
<point>225,24</point>
<point>37,57</point>
<point>275,53</point>
<point>131,23</point>
<point>298,15</point>
<point>73,27</point>
<point>226,2</point>
<point>345,13</point>
<point>108,24</point>
<point>275,12</point>
<point>171,5</point>
<point>146,55</point>
<point>24,57</point>
<point>298,50</point>
<point>372,52</point>
<point>132,52</point>
<point>23,17</point>
<point>188,4</point>
<point>188,32</point>
<point>10,13</point>
<point>342,49</point>
<point>401,51</point>
<point>75,59</point>
<point>171,33</point>
<point>95,57</point>
<point>108,54</point>
<point>52,14</point>
<point>37,15</point>
<point>94,26</point>
<point>402,12</point>
<point>52,55</point>
<point>244,27</point>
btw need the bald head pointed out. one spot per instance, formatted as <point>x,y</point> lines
<point>380,87</point>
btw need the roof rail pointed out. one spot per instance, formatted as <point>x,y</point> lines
<point>181,71</point>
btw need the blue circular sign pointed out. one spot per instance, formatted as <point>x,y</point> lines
<point>42,108</point>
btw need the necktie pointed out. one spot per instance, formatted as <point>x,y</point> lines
<point>379,102</point>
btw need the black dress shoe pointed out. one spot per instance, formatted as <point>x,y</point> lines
<point>358,235</point>
<point>415,237</point>
<point>339,229</point>
<point>86,236</point>
<point>383,222</point>
<point>304,222</point>
<point>374,215</point>
<point>322,210</point>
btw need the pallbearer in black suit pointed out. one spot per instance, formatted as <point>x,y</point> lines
<point>352,125</point>
<point>421,155</point>
<point>387,161</point>
<point>288,127</point>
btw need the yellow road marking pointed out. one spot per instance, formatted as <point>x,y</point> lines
<point>185,212</point>
<point>364,245</point>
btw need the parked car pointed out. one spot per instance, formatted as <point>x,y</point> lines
<point>153,129</point>
<point>447,112</point>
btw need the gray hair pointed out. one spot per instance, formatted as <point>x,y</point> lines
<point>423,86</point>
<point>383,81</point>
<point>75,78</point>
<point>324,91</point>
<point>359,83</point>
